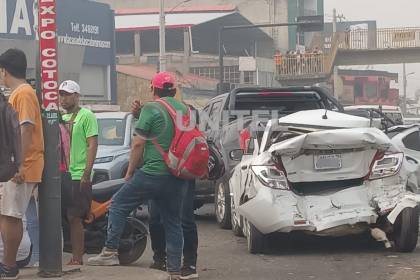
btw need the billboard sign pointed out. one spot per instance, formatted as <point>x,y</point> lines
<point>47,26</point>
<point>81,23</point>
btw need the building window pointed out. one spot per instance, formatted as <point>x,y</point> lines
<point>208,72</point>
<point>124,42</point>
<point>249,77</point>
<point>231,75</point>
<point>371,90</point>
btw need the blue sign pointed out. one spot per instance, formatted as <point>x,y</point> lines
<point>79,22</point>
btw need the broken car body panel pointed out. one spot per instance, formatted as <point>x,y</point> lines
<point>338,200</point>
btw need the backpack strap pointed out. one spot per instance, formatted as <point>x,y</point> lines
<point>172,113</point>
<point>159,148</point>
<point>170,109</point>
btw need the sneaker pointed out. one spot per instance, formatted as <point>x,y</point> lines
<point>107,257</point>
<point>189,272</point>
<point>8,273</point>
<point>158,265</point>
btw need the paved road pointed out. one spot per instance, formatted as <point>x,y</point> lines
<point>224,256</point>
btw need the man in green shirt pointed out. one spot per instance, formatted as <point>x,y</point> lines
<point>77,194</point>
<point>152,181</point>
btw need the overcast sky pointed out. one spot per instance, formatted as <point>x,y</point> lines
<point>387,13</point>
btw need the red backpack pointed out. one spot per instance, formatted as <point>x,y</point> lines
<point>188,154</point>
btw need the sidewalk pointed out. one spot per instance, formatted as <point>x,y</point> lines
<point>102,273</point>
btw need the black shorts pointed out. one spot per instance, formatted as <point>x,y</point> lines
<point>75,201</point>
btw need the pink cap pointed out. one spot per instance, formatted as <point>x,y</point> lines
<point>162,78</point>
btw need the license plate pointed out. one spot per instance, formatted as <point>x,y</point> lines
<point>327,162</point>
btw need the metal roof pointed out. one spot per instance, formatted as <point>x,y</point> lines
<point>131,22</point>
<point>190,9</point>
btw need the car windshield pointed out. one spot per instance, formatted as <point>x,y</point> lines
<point>111,132</point>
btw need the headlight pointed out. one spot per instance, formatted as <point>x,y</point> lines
<point>104,159</point>
<point>386,165</point>
<point>271,177</point>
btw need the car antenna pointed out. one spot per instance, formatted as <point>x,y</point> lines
<point>325,117</point>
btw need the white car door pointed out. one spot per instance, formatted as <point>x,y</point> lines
<point>409,142</point>
<point>240,178</point>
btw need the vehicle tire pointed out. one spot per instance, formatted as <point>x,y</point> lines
<point>406,230</point>
<point>235,220</point>
<point>135,234</point>
<point>222,204</point>
<point>255,239</point>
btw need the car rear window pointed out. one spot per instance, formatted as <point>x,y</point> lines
<point>283,102</point>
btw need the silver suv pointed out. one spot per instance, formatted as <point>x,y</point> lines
<point>115,131</point>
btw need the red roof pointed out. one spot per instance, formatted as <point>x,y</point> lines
<point>147,71</point>
<point>189,9</point>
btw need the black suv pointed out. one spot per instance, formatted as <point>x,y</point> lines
<point>226,115</point>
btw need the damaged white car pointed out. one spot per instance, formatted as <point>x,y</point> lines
<point>326,174</point>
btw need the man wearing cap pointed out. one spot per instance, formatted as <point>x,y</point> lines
<point>152,181</point>
<point>77,196</point>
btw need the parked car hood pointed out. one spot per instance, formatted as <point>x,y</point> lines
<point>106,151</point>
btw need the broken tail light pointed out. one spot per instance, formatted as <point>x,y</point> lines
<point>244,138</point>
<point>385,165</point>
<point>271,177</point>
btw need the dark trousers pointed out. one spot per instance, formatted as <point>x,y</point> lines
<point>168,192</point>
<point>189,229</point>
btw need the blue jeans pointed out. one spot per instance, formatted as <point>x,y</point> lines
<point>168,191</point>
<point>189,228</point>
<point>32,225</point>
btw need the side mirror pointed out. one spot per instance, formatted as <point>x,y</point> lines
<point>236,155</point>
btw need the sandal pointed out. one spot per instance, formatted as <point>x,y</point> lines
<point>74,262</point>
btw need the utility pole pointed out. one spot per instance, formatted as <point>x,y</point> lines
<point>162,37</point>
<point>335,70</point>
<point>50,262</point>
<point>405,90</point>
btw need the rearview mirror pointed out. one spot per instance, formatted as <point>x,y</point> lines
<point>236,155</point>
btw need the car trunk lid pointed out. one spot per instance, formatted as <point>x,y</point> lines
<point>330,155</point>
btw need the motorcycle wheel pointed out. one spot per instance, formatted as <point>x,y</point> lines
<point>135,234</point>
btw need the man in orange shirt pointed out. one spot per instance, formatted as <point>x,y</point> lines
<point>18,191</point>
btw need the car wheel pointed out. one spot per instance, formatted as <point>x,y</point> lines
<point>222,205</point>
<point>406,230</point>
<point>255,239</point>
<point>235,220</point>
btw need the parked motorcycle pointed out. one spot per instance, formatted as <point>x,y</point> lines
<point>134,239</point>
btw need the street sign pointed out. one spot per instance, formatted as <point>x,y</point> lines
<point>247,63</point>
<point>310,23</point>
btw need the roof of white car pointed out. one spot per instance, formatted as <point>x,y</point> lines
<point>112,115</point>
<point>316,118</point>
